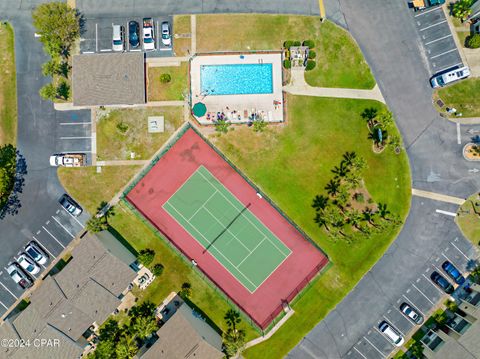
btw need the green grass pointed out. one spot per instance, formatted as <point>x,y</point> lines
<point>112,144</point>
<point>292,164</point>
<point>176,271</point>
<point>468,220</point>
<point>463,96</point>
<point>90,188</point>
<point>181,26</point>
<point>339,60</point>
<point>8,86</point>
<point>174,90</point>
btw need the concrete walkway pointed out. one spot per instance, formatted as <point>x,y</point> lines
<point>437,196</point>
<point>465,120</point>
<point>165,61</point>
<point>68,106</point>
<point>271,332</point>
<point>193,30</point>
<point>122,163</point>
<point>298,86</point>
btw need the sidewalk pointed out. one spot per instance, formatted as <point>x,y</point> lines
<point>298,86</point>
<point>68,106</point>
<point>165,61</point>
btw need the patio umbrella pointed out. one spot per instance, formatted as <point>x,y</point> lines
<point>199,109</point>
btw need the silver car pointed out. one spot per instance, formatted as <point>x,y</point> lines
<point>166,37</point>
<point>70,205</point>
<point>19,276</point>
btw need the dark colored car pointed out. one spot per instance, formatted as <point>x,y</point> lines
<point>440,280</point>
<point>70,205</point>
<point>453,272</point>
<point>133,33</point>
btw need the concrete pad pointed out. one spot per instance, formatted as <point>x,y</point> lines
<point>156,124</point>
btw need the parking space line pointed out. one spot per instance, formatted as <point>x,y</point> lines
<point>66,230</point>
<point>158,36</point>
<point>440,38</point>
<point>105,50</point>
<point>381,353</point>
<point>7,307</point>
<point>74,123</point>
<point>433,285</point>
<point>451,214</point>
<point>71,215</point>
<point>75,151</point>
<point>36,240</point>
<point>443,53</point>
<point>448,67</point>
<point>430,26</point>
<point>438,269</point>
<point>423,294</point>
<point>458,249</point>
<point>448,259</point>
<point>358,351</point>
<point>76,138</point>
<point>427,11</point>
<point>96,37</point>
<point>459,137</point>
<point>8,290</point>
<point>391,321</point>
<point>46,230</point>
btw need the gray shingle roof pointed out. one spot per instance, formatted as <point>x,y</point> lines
<point>108,79</point>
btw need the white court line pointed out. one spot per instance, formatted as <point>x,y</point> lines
<point>8,290</point>
<point>253,250</point>
<point>440,38</point>
<point>75,218</point>
<point>358,351</point>
<point>36,240</point>
<point>74,123</point>
<point>414,286</point>
<point>443,53</point>
<point>4,305</point>
<point>427,11</point>
<point>61,225</point>
<point>446,213</point>
<point>430,26</point>
<point>433,284</point>
<point>46,230</point>
<point>459,138</point>
<point>203,205</point>
<point>458,249</point>
<point>378,350</point>
<point>76,138</point>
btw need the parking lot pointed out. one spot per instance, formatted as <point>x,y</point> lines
<point>53,236</point>
<point>74,132</point>
<point>97,36</point>
<point>422,294</point>
<point>437,40</point>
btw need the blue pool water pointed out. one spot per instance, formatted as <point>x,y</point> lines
<point>241,79</point>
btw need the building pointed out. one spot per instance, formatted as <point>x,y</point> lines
<point>185,335</point>
<point>62,310</point>
<point>108,79</point>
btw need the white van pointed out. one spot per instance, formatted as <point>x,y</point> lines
<point>118,38</point>
<point>448,76</point>
<point>392,334</point>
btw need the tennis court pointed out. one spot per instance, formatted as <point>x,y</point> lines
<point>227,229</point>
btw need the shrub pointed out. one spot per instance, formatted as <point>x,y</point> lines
<point>165,78</point>
<point>309,43</point>
<point>288,44</point>
<point>359,197</point>
<point>222,126</point>
<point>48,92</point>
<point>186,290</point>
<point>312,54</point>
<point>63,90</point>
<point>296,43</point>
<point>310,65</point>
<point>287,63</point>
<point>473,41</point>
<point>145,256</point>
<point>259,126</point>
<point>122,127</point>
<point>157,269</point>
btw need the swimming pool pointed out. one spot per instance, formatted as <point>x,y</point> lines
<point>236,79</point>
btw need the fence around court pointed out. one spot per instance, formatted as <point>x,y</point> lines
<point>297,292</point>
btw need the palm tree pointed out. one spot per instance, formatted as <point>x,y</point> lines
<point>461,9</point>
<point>385,118</point>
<point>233,341</point>
<point>342,170</point>
<point>321,221</point>
<point>105,211</point>
<point>232,317</point>
<point>368,216</point>
<point>126,347</point>
<point>369,114</point>
<point>348,157</point>
<point>359,164</point>
<point>144,326</point>
<point>383,212</point>
<point>332,187</point>
<point>353,180</point>
<point>354,218</point>
<point>320,202</point>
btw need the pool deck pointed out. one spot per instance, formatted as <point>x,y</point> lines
<point>239,108</point>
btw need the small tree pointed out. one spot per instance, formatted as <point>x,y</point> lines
<point>104,350</point>
<point>96,224</point>
<point>310,65</point>
<point>369,115</point>
<point>287,63</point>
<point>63,90</point>
<point>126,347</point>
<point>51,67</point>
<point>288,44</point>
<point>146,256</point>
<point>473,41</point>
<point>144,326</point>
<point>222,126</point>
<point>312,54</point>
<point>48,92</point>
<point>309,43</point>
<point>165,78</point>
<point>157,269</point>
<point>233,338</point>
<point>461,9</point>
<point>416,349</point>
<point>144,310</point>
<point>259,126</point>
<point>186,290</point>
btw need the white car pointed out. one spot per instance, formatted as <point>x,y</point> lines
<point>166,37</point>
<point>28,264</point>
<point>391,333</point>
<point>118,38</point>
<point>36,253</point>
<point>70,205</point>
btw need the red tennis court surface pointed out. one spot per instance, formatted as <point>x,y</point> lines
<point>170,173</point>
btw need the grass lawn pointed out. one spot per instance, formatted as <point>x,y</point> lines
<point>181,26</point>
<point>173,90</point>
<point>91,188</point>
<point>463,96</point>
<point>176,271</point>
<point>468,220</point>
<point>113,144</point>
<point>339,60</point>
<point>462,37</point>
<point>292,164</point>
<point>8,86</point>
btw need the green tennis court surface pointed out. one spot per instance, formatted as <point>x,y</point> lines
<point>226,229</point>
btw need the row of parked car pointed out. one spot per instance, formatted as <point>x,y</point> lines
<point>148,35</point>
<point>27,264</point>
<point>411,313</point>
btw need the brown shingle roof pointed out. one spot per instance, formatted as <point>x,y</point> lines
<point>108,79</point>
